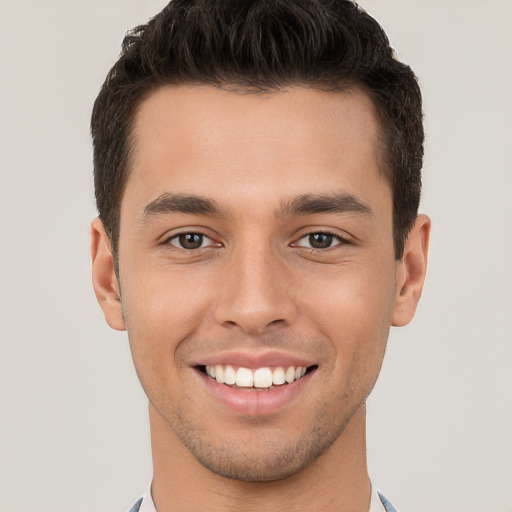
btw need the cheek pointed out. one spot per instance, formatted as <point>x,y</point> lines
<point>352,308</point>
<point>160,312</point>
<point>162,301</point>
<point>352,295</point>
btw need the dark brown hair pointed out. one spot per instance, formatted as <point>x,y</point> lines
<point>261,46</point>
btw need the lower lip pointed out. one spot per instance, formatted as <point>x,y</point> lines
<point>252,402</point>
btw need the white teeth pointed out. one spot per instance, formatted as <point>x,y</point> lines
<point>244,378</point>
<point>278,377</point>
<point>262,378</point>
<point>229,375</point>
<point>219,374</point>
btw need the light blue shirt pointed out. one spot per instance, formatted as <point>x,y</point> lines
<point>378,503</point>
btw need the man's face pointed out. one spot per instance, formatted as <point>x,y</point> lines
<point>256,233</point>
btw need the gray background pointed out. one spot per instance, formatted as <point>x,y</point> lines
<point>73,421</point>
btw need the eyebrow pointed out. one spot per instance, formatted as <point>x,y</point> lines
<point>181,203</point>
<point>306,204</point>
<point>309,204</point>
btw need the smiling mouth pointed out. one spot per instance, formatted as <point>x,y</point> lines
<point>259,379</point>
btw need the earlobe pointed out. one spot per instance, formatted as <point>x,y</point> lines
<point>410,274</point>
<point>104,279</point>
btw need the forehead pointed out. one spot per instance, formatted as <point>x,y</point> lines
<point>206,141</point>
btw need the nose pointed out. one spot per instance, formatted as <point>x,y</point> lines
<point>255,292</point>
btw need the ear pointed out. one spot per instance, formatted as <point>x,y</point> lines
<point>410,272</point>
<point>104,279</point>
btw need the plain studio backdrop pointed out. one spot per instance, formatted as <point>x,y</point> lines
<point>73,418</point>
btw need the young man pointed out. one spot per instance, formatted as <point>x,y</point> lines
<point>257,172</point>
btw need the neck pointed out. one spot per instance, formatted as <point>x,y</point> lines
<point>337,480</point>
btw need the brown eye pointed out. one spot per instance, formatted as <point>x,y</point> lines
<point>189,241</point>
<point>320,240</point>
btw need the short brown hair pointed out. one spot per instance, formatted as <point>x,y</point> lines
<point>261,45</point>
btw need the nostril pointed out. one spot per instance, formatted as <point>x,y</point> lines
<point>278,321</point>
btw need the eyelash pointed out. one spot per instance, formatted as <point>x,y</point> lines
<point>177,236</point>
<point>341,240</point>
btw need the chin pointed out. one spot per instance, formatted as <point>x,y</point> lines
<point>255,469</point>
<point>264,460</point>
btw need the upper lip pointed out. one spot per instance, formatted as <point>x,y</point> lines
<point>253,360</point>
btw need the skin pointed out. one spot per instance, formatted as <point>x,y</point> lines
<point>255,286</point>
